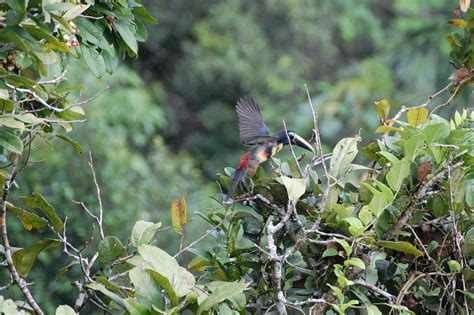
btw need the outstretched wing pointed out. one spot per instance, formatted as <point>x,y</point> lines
<point>251,125</point>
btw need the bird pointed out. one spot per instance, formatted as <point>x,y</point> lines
<point>254,131</point>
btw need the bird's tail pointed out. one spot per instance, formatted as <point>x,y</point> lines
<point>238,175</point>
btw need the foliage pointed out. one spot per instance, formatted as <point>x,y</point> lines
<point>313,236</point>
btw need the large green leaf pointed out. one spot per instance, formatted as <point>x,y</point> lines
<point>412,146</point>
<point>436,132</point>
<point>110,249</point>
<point>417,116</point>
<point>41,34</point>
<point>94,60</point>
<point>401,246</point>
<point>10,142</point>
<point>126,31</point>
<point>397,174</point>
<point>11,123</point>
<point>146,289</point>
<point>222,291</point>
<point>295,187</point>
<point>143,232</point>
<point>28,220</point>
<point>10,36</point>
<point>37,201</point>
<point>342,156</point>
<point>24,258</point>
<point>165,265</point>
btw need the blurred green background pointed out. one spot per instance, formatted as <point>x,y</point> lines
<point>167,124</point>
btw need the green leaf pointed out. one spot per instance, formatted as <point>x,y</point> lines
<point>143,232</point>
<point>365,215</point>
<point>338,291</point>
<point>417,116</point>
<point>28,220</point>
<point>101,288</point>
<point>379,199</point>
<point>146,290</point>
<point>110,249</point>
<point>436,132</point>
<point>24,258</point>
<point>454,266</point>
<point>9,36</point>
<point>65,310</point>
<point>389,156</point>
<point>345,245</point>
<point>221,292</point>
<point>76,145</point>
<point>329,252</point>
<point>412,146</point>
<point>41,34</point>
<point>342,156</point>
<point>37,201</point>
<point>18,5</point>
<point>356,227</point>
<point>166,284</point>
<point>11,142</point>
<point>383,109</point>
<point>400,246</point>
<point>165,265</point>
<point>468,244</point>
<point>355,262</point>
<point>94,60</point>
<point>397,174</point>
<point>142,13</point>
<point>126,31</point>
<point>11,123</point>
<point>29,118</point>
<point>295,187</point>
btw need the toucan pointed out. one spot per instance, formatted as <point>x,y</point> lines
<point>253,131</point>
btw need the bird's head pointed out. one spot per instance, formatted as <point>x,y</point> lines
<point>292,137</point>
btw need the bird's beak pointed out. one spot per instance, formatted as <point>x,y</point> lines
<point>301,142</point>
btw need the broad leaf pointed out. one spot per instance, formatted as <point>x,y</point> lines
<point>413,145</point>
<point>397,174</point>
<point>146,289</point>
<point>295,187</point>
<point>417,116</point>
<point>143,232</point>
<point>222,291</point>
<point>28,220</point>
<point>10,142</point>
<point>342,156</point>
<point>25,257</point>
<point>166,266</point>
<point>37,201</point>
<point>110,249</point>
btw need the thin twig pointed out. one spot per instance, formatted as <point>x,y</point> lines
<point>209,232</point>
<point>6,243</point>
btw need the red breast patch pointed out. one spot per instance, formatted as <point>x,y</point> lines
<point>244,161</point>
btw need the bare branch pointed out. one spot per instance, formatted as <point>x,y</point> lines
<point>6,243</point>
